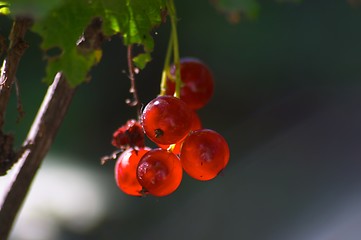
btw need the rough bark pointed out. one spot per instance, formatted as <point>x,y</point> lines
<point>14,53</point>
<point>35,147</point>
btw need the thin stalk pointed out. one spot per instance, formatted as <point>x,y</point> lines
<point>173,19</point>
<point>133,89</point>
<point>166,68</point>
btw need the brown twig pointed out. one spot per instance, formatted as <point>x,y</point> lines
<point>133,89</point>
<point>42,133</point>
<point>39,139</point>
<point>15,51</point>
<point>19,104</point>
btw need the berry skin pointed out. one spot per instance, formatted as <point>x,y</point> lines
<point>196,122</point>
<point>130,134</point>
<point>126,171</point>
<point>197,83</point>
<point>196,125</point>
<point>166,120</point>
<point>204,154</point>
<point>159,172</point>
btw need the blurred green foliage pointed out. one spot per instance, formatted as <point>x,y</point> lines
<point>61,24</point>
<point>287,49</point>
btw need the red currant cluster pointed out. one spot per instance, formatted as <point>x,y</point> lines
<point>173,124</point>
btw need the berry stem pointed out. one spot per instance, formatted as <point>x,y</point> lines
<point>163,84</point>
<point>133,90</point>
<point>174,37</point>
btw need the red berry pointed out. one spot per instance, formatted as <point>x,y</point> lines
<point>159,172</point>
<point>204,154</point>
<point>166,120</point>
<point>196,124</point>
<point>197,83</point>
<point>130,134</point>
<point>126,171</point>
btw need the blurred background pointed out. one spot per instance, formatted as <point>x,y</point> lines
<point>287,99</point>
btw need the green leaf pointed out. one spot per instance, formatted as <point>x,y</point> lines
<point>142,18</point>
<point>33,8</point>
<point>4,8</point>
<point>76,66</point>
<point>141,60</point>
<point>62,25</point>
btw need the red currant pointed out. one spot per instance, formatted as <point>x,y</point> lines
<point>197,82</point>
<point>166,120</point>
<point>196,124</point>
<point>126,171</point>
<point>130,134</point>
<point>159,172</point>
<point>204,154</point>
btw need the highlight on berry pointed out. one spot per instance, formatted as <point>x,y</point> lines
<point>171,122</point>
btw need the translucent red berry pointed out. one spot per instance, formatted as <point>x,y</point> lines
<point>196,122</point>
<point>126,171</point>
<point>204,154</point>
<point>130,134</point>
<point>197,83</point>
<point>166,120</point>
<point>159,172</point>
<point>196,125</point>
